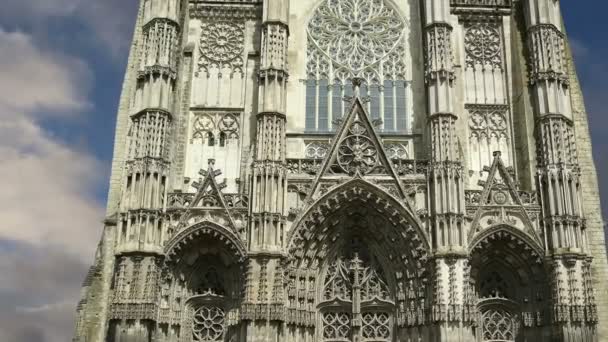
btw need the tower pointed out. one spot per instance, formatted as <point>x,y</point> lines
<point>349,170</point>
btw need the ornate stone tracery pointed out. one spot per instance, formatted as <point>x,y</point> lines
<point>356,152</point>
<point>355,34</point>
<point>356,290</point>
<point>221,45</point>
<point>499,324</point>
<point>209,324</point>
<point>216,127</point>
<point>483,45</point>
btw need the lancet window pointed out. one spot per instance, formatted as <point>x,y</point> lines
<point>361,39</point>
<point>355,302</point>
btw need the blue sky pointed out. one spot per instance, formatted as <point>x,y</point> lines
<point>61,69</point>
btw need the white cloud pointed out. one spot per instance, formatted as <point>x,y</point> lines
<point>51,221</point>
<point>33,80</point>
<point>46,197</point>
<point>110,22</point>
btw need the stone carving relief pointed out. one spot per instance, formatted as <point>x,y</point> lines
<point>397,150</point>
<point>487,121</point>
<point>483,45</point>
<point>359,286</point>
<point>208,324</point>
<point>357,152</point>
<point>499,325</point>
<point>548,48</point>
<point>216,126</point>
<point>148,134</point>
<point>488,133</point>
<point>221,45</point>
<point>316,150</point>
<point>439,56</point>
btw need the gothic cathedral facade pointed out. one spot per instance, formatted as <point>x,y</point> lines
<point>350,170</point>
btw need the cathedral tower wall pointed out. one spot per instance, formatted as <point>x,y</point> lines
<point>343,170</point>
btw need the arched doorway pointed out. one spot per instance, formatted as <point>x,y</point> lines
<point>202,285</point>
<point>357,268</point>
<point>356,302</point>
<point>510,282</point>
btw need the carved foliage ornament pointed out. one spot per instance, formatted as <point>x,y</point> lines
<point>222,44</point>
<point>355,34</point>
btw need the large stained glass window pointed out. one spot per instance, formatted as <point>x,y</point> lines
<point>361,39</point>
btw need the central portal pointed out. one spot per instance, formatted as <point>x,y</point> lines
<point>356,302</point>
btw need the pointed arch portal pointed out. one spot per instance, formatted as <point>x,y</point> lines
<point>365,261</point>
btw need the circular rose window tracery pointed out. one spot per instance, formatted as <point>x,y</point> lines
<point>356,34</point>
<point>222,41</point>
<point>357,152</point>
<point>209,324</point>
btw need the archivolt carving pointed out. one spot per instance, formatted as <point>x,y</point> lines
<point>518,238</point>
<point>358,210</point>
<point>508,270</point>
<point>205,230</point>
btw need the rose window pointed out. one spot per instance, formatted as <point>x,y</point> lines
<point>362,39</point>
<point>356,33</point>
<point>208,324</point>
<point>222,42</point>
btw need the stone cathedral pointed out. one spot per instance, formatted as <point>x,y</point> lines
<point>349,171</point>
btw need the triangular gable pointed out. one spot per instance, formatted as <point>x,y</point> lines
<point>499,178</point>
<point>356,151</point>
<point>500,190</point>
<point>209,192</point>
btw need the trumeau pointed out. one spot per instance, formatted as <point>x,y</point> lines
<point>349,170</point>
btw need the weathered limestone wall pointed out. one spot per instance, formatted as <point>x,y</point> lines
<point>591,201</point>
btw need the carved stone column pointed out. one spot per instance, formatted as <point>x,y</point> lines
<point>558,174</point>
<point>446,186</point>
<point>140,226</point>
<point>264,302</point>
<point>269,173</point>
